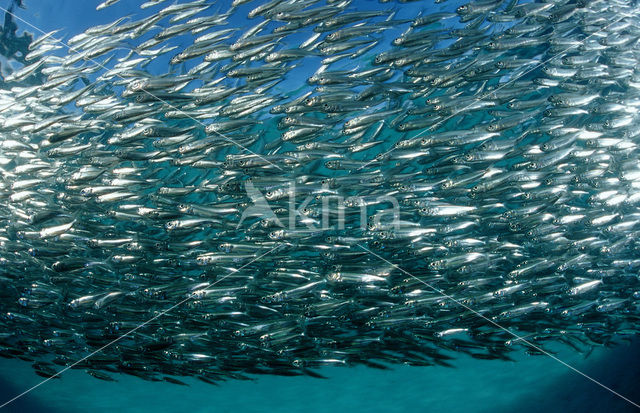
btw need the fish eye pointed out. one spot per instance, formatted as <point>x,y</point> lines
<point>378,59</point>
<point>137,85</point>
<point>547,113</point>
<point>468,157</point>
<point>492,45</point>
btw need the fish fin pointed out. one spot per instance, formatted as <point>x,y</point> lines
<point>312,373</point>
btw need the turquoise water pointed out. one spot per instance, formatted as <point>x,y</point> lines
<point>529,384</point>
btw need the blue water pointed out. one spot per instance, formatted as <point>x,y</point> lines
<point>529,384</point>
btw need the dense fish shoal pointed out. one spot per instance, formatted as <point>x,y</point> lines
<point>194,193</point>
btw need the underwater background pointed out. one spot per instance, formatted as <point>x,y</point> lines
<point>528,384</point>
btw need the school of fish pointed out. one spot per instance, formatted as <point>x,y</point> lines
<point>505,130</point>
